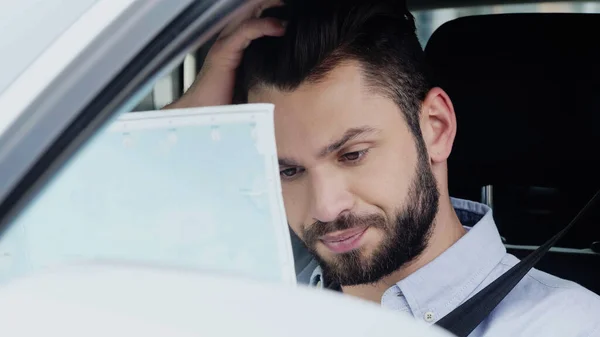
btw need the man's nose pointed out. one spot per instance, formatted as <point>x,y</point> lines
<point>330,197</point>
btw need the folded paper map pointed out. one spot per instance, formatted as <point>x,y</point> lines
<point>195,188</point>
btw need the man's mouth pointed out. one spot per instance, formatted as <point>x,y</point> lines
<point>344,241</point>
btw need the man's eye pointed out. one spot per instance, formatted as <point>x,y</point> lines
<point>354,156</point>
<point>289,172</point>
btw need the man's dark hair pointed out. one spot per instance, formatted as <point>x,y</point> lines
<point>320,34</point>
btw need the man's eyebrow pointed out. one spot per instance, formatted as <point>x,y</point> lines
<point>349,135</point>
<point>287,162</point>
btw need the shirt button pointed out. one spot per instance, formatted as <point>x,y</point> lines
<point>429,317</point>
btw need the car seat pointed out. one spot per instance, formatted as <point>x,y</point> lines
<point>526,91</point>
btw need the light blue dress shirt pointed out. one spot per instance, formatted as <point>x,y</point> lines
<point>540,305</point>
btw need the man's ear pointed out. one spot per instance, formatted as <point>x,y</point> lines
<point>438,124</point>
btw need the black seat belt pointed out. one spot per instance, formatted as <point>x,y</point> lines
<point>465,318</point>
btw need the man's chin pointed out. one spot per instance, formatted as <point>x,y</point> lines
<point>344,266</point>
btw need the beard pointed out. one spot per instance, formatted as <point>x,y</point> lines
<point>405,236</point>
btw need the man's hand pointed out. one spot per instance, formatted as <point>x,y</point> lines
<point>215,82</point>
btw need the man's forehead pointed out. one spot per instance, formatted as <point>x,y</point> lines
<point>314,116</point>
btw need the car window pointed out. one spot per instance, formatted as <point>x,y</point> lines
<point>171,86</point>
<point>32,30</point>
<point>429,20</point>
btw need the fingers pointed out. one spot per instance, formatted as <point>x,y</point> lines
<point>227,51</point>
<point>254,12</point>
<point>215,83</point>
<point>251,30</point>
<point>266,5</point>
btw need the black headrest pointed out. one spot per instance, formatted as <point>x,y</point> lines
<point>526,90</point>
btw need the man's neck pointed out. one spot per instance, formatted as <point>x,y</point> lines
<point>447,231</point>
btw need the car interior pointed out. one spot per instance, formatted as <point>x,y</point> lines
<point>524,89</point>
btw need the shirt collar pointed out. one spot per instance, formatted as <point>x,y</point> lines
<point>444,283</point>
<point>447,281</point>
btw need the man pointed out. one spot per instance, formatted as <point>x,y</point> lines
<point>363,138</point>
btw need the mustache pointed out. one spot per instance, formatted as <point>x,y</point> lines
<point>317,229</point>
